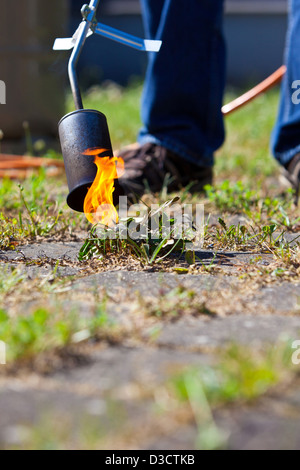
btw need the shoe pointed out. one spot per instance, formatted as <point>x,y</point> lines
<point>292,174</point>
<point>147,167</point>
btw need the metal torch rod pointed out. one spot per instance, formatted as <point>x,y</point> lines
<point>84,29</point>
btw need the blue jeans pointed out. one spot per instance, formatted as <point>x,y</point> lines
<point>184,85</point>
<point>285,141</point>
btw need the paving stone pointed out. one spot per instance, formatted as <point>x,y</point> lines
<point>242,329</point>
<point>151,284</point>
<point>78,392</point>
<point>279,298</point>
<point>78,397</point>
<point>53,250</point>
<point>271,423</point>
<point>47,252</point>
<point>116,367</point>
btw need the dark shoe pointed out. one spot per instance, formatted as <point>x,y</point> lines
<point>147,166</point>
<point>292,174</point>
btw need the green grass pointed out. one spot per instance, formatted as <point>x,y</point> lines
<point>245,173</point>
<point>40,209</point>
<point>152,236</point>
<point>36,318</point>
<point>245,170</point>
<point>48,329</point>
<point>246,153</point>
<point>37,210</point>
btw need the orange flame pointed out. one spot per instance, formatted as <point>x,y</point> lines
<point>98,204</point>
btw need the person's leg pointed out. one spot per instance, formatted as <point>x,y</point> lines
<point>183,91</point>
<point>182,99</point>
<point>285,141</point>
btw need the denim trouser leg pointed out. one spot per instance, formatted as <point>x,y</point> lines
<point>183,91</point>
<point>286,135</point>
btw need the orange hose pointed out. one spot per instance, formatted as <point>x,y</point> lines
<point>262,87</point>
<point>25,164</point>
<point>26,161</point>
<point>19,167</point>
<point>22,174</point>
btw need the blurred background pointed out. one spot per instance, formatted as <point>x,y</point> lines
<point>36,77</point>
